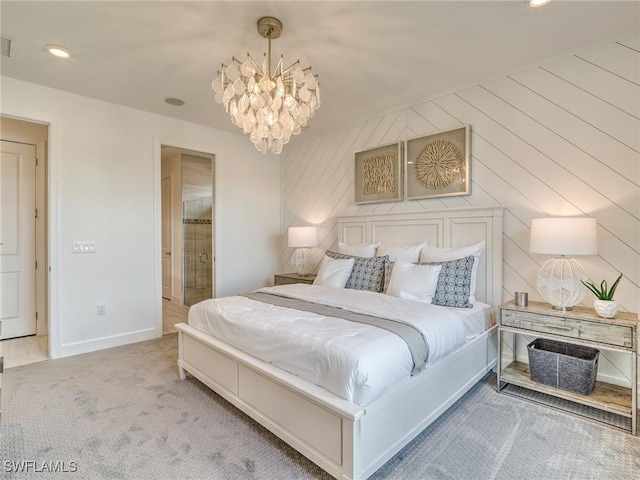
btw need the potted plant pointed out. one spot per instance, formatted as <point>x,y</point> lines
<point>604,303</point>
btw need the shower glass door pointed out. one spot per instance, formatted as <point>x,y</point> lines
<point>197,245</point>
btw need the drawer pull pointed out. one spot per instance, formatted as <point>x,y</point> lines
<point>550,325</point>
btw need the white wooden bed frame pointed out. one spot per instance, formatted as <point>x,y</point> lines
<point>347,440</point>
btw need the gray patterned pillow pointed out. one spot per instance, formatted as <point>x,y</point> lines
<point>367,273</point>
<point>454,283</point>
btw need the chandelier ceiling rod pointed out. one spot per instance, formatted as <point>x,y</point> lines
<point>269,27</point>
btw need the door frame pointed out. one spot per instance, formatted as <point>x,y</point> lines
<point>40,192</point>
<point>158,142</point>
<point>50,202</point>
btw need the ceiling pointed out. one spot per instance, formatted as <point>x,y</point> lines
<point>371,57</point>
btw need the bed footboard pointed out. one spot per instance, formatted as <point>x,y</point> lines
<point>311,420</point>
<point>344,439</point>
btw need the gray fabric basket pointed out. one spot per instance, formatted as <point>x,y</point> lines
<point>562,365</point>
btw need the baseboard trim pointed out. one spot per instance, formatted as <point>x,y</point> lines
<point>77,348</point>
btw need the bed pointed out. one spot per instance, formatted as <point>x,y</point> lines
<point>346,436</point>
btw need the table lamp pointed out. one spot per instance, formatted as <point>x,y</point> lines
<point>558,280</point>
<point>302,238</point>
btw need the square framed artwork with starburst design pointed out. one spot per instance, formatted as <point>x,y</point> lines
<point>438,164</point>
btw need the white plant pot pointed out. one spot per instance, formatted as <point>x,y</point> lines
<point>606,308</point>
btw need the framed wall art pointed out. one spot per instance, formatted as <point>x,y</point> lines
<point>438,164</point>
<point>378,174</point>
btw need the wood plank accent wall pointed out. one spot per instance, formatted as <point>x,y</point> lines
<point>562,139</point>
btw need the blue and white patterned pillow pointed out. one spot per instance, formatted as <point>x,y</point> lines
<point>367,273</point>
<point>454,283</point>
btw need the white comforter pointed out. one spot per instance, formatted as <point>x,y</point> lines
<point>355,361</point>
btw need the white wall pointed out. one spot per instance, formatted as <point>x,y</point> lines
<point>560,139</point>
<point>105,187</point>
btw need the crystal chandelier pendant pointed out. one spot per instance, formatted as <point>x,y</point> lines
<point>268,106</point>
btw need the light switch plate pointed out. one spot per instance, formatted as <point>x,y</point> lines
<point>83,247</point>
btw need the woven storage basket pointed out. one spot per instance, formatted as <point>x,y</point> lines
<point>563,365</point>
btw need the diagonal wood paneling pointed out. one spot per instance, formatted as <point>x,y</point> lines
<point>595,112</point>
<point>619,58</point>
<point>599,82</point>
<point>559,139</point>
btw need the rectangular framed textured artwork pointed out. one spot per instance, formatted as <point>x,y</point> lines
<point>378,174</point>
<point>438,164</point>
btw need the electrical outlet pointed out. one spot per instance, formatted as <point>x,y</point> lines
<point>102,309</point>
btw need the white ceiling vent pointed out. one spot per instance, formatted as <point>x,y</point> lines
<point>5,47</point>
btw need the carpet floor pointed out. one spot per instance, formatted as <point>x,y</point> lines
<point>123,413</point>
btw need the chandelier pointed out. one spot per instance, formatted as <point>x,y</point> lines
<point>269,107</point>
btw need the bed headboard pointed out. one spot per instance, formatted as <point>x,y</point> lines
<point>450,227</point>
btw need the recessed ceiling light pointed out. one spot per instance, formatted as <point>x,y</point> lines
<point>538,3</point>
<point>174,101</point>
<point>58,51</point>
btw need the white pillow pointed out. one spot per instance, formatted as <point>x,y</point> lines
<point>437,254</point>
<point>410,253</point>
<point>334,273</point>
<point>362,250</point>
<point>415,282</point>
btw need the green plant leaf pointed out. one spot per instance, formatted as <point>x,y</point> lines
<point>592,287</point>
<point>613,287</point>
<point>603,293</point>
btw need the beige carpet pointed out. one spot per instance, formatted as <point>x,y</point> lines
<point>123,414</point>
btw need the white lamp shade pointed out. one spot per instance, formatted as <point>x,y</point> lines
<point>564,236</point>
<point>302,237</point>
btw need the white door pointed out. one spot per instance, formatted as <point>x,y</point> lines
<point>17,239</point>
<point>167,226</point>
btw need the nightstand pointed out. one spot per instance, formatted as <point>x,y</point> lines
<point>289,278</point>
<point>579,326</point>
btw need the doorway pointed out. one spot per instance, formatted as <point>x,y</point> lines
<point>188,231</point>
<point>23,242</point>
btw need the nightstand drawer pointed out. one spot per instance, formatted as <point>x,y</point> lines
<point>289,278</point>
<point>615,335</point>
<point>282,280</point>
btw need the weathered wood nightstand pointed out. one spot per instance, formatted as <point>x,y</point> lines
<point>579,326</point>
<point>289,278</point>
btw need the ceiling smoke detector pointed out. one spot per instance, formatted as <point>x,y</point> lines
<point>174,101</point>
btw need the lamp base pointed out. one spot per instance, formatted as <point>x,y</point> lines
<point>559,282</point>
<point>562,309</point>
<point>300,261</point>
